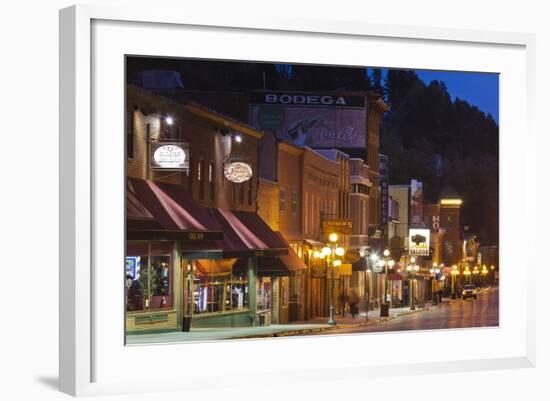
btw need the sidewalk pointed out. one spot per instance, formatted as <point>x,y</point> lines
<point>312,326</point>
<point>227,333</point>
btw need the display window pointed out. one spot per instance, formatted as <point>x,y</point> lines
<point>219,292</point>
<point>148,282</point>
<point>265,293</point>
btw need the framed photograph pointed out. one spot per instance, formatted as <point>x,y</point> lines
<point>290,199</point>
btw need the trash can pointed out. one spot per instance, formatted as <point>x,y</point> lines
<point>385,310</point>
<point>186,323</point>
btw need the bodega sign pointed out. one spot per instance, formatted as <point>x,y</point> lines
<point>237,171</point>
<point>169,156</point>
<point>307,99</point>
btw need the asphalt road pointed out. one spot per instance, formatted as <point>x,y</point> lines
<point>482,312</point>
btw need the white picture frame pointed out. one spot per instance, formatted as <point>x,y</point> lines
<point>88,365</point>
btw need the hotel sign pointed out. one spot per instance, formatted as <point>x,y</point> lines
<point>237,172</point>
<point>169,156</point>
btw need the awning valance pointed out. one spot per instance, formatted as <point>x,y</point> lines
<point>215,266</point>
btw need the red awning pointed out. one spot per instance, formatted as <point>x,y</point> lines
<point>166,212</point>
<point>281,265</point>
<point>246,232</point>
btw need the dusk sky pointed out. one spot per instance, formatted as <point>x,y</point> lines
<point>479,89</point>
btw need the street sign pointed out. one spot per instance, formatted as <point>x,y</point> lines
<point>318,271</point>
<point>345,269</point>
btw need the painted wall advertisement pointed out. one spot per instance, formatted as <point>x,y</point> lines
<point>311,119</point>
<point>419,242</point>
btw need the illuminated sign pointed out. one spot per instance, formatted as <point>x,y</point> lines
<point>169,156</point>
<point>237,171</point>
<point>419,242</point>
<point>451,202</point>
<point>436,225</point>
<point>338,226</point>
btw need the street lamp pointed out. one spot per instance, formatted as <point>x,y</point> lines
<point>434,270</point>
<point>467,273</point>
<point>476,275</point>
<point>329,253</point>
<point>454,272</point>
<point>411,269</point>
<point>484,272</point>
<point>386,262</point>
<point>373,259</point>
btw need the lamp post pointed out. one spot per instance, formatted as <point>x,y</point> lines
<point>454,272</point>
<point>373,259</point>
<point>476,275</point>
<point>434,270</point>
<point>386,262</point>
<point>411,269</point>
<point>329,253</point>
<point>467,273</point>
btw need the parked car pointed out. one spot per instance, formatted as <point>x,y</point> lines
<point>469,291</point>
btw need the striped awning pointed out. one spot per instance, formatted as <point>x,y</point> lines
<point>246,233</point>
<point>157,211</point>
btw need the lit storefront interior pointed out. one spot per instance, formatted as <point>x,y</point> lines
<point>190,266</point>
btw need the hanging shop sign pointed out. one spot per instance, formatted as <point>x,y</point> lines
<point>419,241</point>
<point>169,156</point>
<point>237,171</point>
<point>318,271</point>
<point>377,268</point>
<point>338,226</point>
<point>345,269</point>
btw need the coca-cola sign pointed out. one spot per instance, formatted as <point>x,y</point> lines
<point>237,171</point>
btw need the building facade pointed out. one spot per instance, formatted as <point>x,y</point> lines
<point>198,254</point>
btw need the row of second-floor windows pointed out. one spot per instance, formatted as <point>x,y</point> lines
<point>359,189</point>
<point>205,174</point>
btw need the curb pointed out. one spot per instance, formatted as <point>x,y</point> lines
<point>370,322</point>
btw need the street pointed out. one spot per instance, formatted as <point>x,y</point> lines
<point>482,312</point>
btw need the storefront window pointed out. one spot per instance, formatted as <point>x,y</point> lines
<point>148,282</point>
<point>265,293</point>
<point>160,280</point>
<point>219,292</point>
<point>295,288</point>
